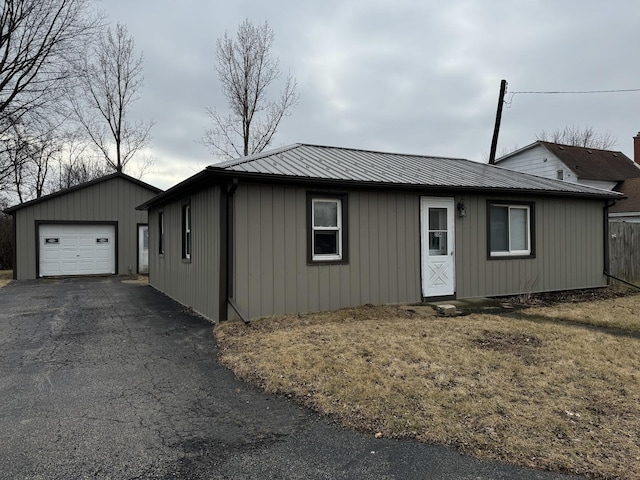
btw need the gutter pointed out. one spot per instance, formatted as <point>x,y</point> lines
<point>228,253</point>
<point>621,280</point>
<point>605,219</point>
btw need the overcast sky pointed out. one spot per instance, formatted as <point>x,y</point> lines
<point>408,76</point>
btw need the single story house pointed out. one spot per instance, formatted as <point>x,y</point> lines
<point>91,228</point>
<point>309,228</point>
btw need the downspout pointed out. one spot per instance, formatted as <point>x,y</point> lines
<point>605,215</point>
<point>14,216</point>
<point>606,248</point>
<point>229,251</point>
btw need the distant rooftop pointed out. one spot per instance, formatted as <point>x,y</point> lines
<point>589,163</point>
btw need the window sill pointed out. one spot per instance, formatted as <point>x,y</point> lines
<point>511,257</point>
<point>186,260</point>
<point>327,262</point>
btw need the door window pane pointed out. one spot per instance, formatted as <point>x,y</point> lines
<point>437,219</point>
<point>437,243</point>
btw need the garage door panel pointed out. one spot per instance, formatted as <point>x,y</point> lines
<point>71,249</point>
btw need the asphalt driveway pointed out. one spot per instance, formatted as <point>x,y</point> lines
<point>103,379</point>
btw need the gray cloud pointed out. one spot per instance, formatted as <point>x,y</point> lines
<point>420,77</point>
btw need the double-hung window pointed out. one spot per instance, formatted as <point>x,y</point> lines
<point>186,232</point>
<point>510,229</point>
<point>327,228</point>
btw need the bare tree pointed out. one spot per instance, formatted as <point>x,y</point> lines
<point>579,137</point>
<point>110,81</point>
<point>246,70</point>
<point>76,163</point>
<point>38,39</point>
<point>6,237</point>
<point>33,147</point>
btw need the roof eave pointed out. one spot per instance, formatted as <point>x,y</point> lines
<point>80,186</point>
<point>188,185</point>
<point>272,178</point>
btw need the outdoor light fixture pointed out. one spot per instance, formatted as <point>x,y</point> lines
<point>462,209</point>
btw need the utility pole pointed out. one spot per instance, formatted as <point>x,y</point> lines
<point>496,129</point>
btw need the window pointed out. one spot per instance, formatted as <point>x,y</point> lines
<point>438,231</point>
<point>161,233</point>
<point>327,228</point>
<point>560,174</point>
<point>186,232</point>
<point>510,230</point>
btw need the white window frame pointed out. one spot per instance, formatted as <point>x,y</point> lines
<point>512,252</point>
<point>161,232</point>
<point>186,234</point>
<point>326,257</point>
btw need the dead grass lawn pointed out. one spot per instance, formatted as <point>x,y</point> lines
<point>536,388</point>
<point>5,277</point>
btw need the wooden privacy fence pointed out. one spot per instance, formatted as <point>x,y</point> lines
<point>624,250</point>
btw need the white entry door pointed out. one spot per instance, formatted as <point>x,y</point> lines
<point>437,246</point>
<point>143,249</point>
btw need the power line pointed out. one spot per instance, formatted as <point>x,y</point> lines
<point>580,92</point>
<point>566,92</point>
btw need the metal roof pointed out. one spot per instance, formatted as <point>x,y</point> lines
<point>314,162</point>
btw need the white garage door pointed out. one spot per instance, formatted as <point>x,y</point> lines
<point>77,249</point>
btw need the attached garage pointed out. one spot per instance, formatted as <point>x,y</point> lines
<point>76,249</point>
<point>89,229</point>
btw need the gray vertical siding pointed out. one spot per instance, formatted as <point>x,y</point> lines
<point>113,200</point>
<point>271,271</point>
<point>195,283</point>
<point>569,244</point>
<point>272,275</point>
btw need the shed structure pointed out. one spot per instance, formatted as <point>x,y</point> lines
<point>308,228</point>
<point>91,228</point>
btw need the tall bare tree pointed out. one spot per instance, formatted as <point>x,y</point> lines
<point>110,82</point>
<point>579,137</point>
<point>246,70</point>
<point>38,41</point>
<point>76,163</point>
<point>33,148</point>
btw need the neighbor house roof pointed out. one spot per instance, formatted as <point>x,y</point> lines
<point>630,189</point>
<point>589,163</point>
<point>81,186</point>
<point>315,164</point>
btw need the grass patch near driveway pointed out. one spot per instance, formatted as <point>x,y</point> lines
<point>5,277</point>
<point>536,388</point>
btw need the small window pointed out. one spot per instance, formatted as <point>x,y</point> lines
<point>510,229</point>
<point>327,228</point>
<point>161,233</point>
<point>186,232</point>
<point>560,174</point>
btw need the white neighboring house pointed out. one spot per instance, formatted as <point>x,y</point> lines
<point>605,169</point>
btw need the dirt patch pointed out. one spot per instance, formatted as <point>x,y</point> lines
<point>519,344</point>
<point>6,276</point>
<point>139,280</point>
